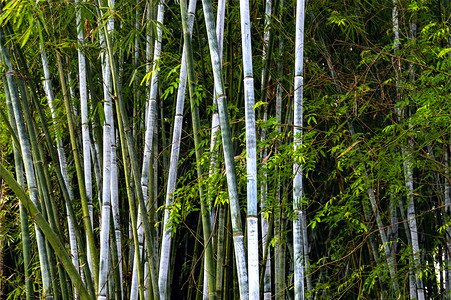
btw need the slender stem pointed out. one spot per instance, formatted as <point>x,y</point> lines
<point>206,226</point>
<point>298,192</point>
<point>228,151</point>
<point>80,177</point>
<point>28,164</point>
<point>26,245</point>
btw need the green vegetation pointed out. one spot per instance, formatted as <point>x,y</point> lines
<point>255,149</point>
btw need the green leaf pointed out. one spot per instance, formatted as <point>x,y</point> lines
<point>443,52</point>
<point>259,103</point>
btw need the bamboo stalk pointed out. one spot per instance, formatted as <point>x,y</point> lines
<point>116,215</point>
<point>228,151</point>
<point>214,161</point>
<point>61,156</point>
<point>108,133</point>
<point>206,226</point>
<point>26,245</point>
<point>80,177</point>
<point>213,167</point>
<point>172,174</point>
<point>279,247</point>
<point>298,194</point>
<point>52,212</point>
<point>149,232</point>
<point>267,51</point>
<point>84,117</point>
<point>251,153</point>
<point>447,193</point>
<point>150,123</point>
<point>133,209</point>
<point>28,164</point>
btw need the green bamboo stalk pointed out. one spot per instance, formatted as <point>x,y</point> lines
<point>214,162</point>
<point>279,203</point>
<point>220,255</point>
<point>132,205</point>
<point>210,268</point>
<point>48,206</point>
<point>116,218</point>
<point>49,234</point>
<point>28,164</point>
<point>298,192</point>
<point>80,177</point>
<point>26,245</point>
<point>268,41</point>
<point>172,174</point>
<point>447,189</point>
<point>228,257</point>
<point>61,155</point>
<point>251,152</point>
<point>266,253</point>
<point>114,263</point>
<point>87,167</point>
<point>41,186</point>
<point>228,151</point>
<point>45,183</point>
<point>108,132</point>
<point>136,125</point>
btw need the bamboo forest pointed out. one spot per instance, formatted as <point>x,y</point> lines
<point>272,149</point>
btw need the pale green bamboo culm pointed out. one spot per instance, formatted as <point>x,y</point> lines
<point>251,153</point>
<point>268,41</point>
<point>108,133</point>
<point>61,155</point>
<point>278,203</point>
<point>26,247</point>
<point>298,192</point>
<point>238,237</point>
<point>166,239</point>
<point>206,226</point>
<point>80,177</point>
<point>214,166</point>
<point>28,163</point>
<point>82,83</point>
